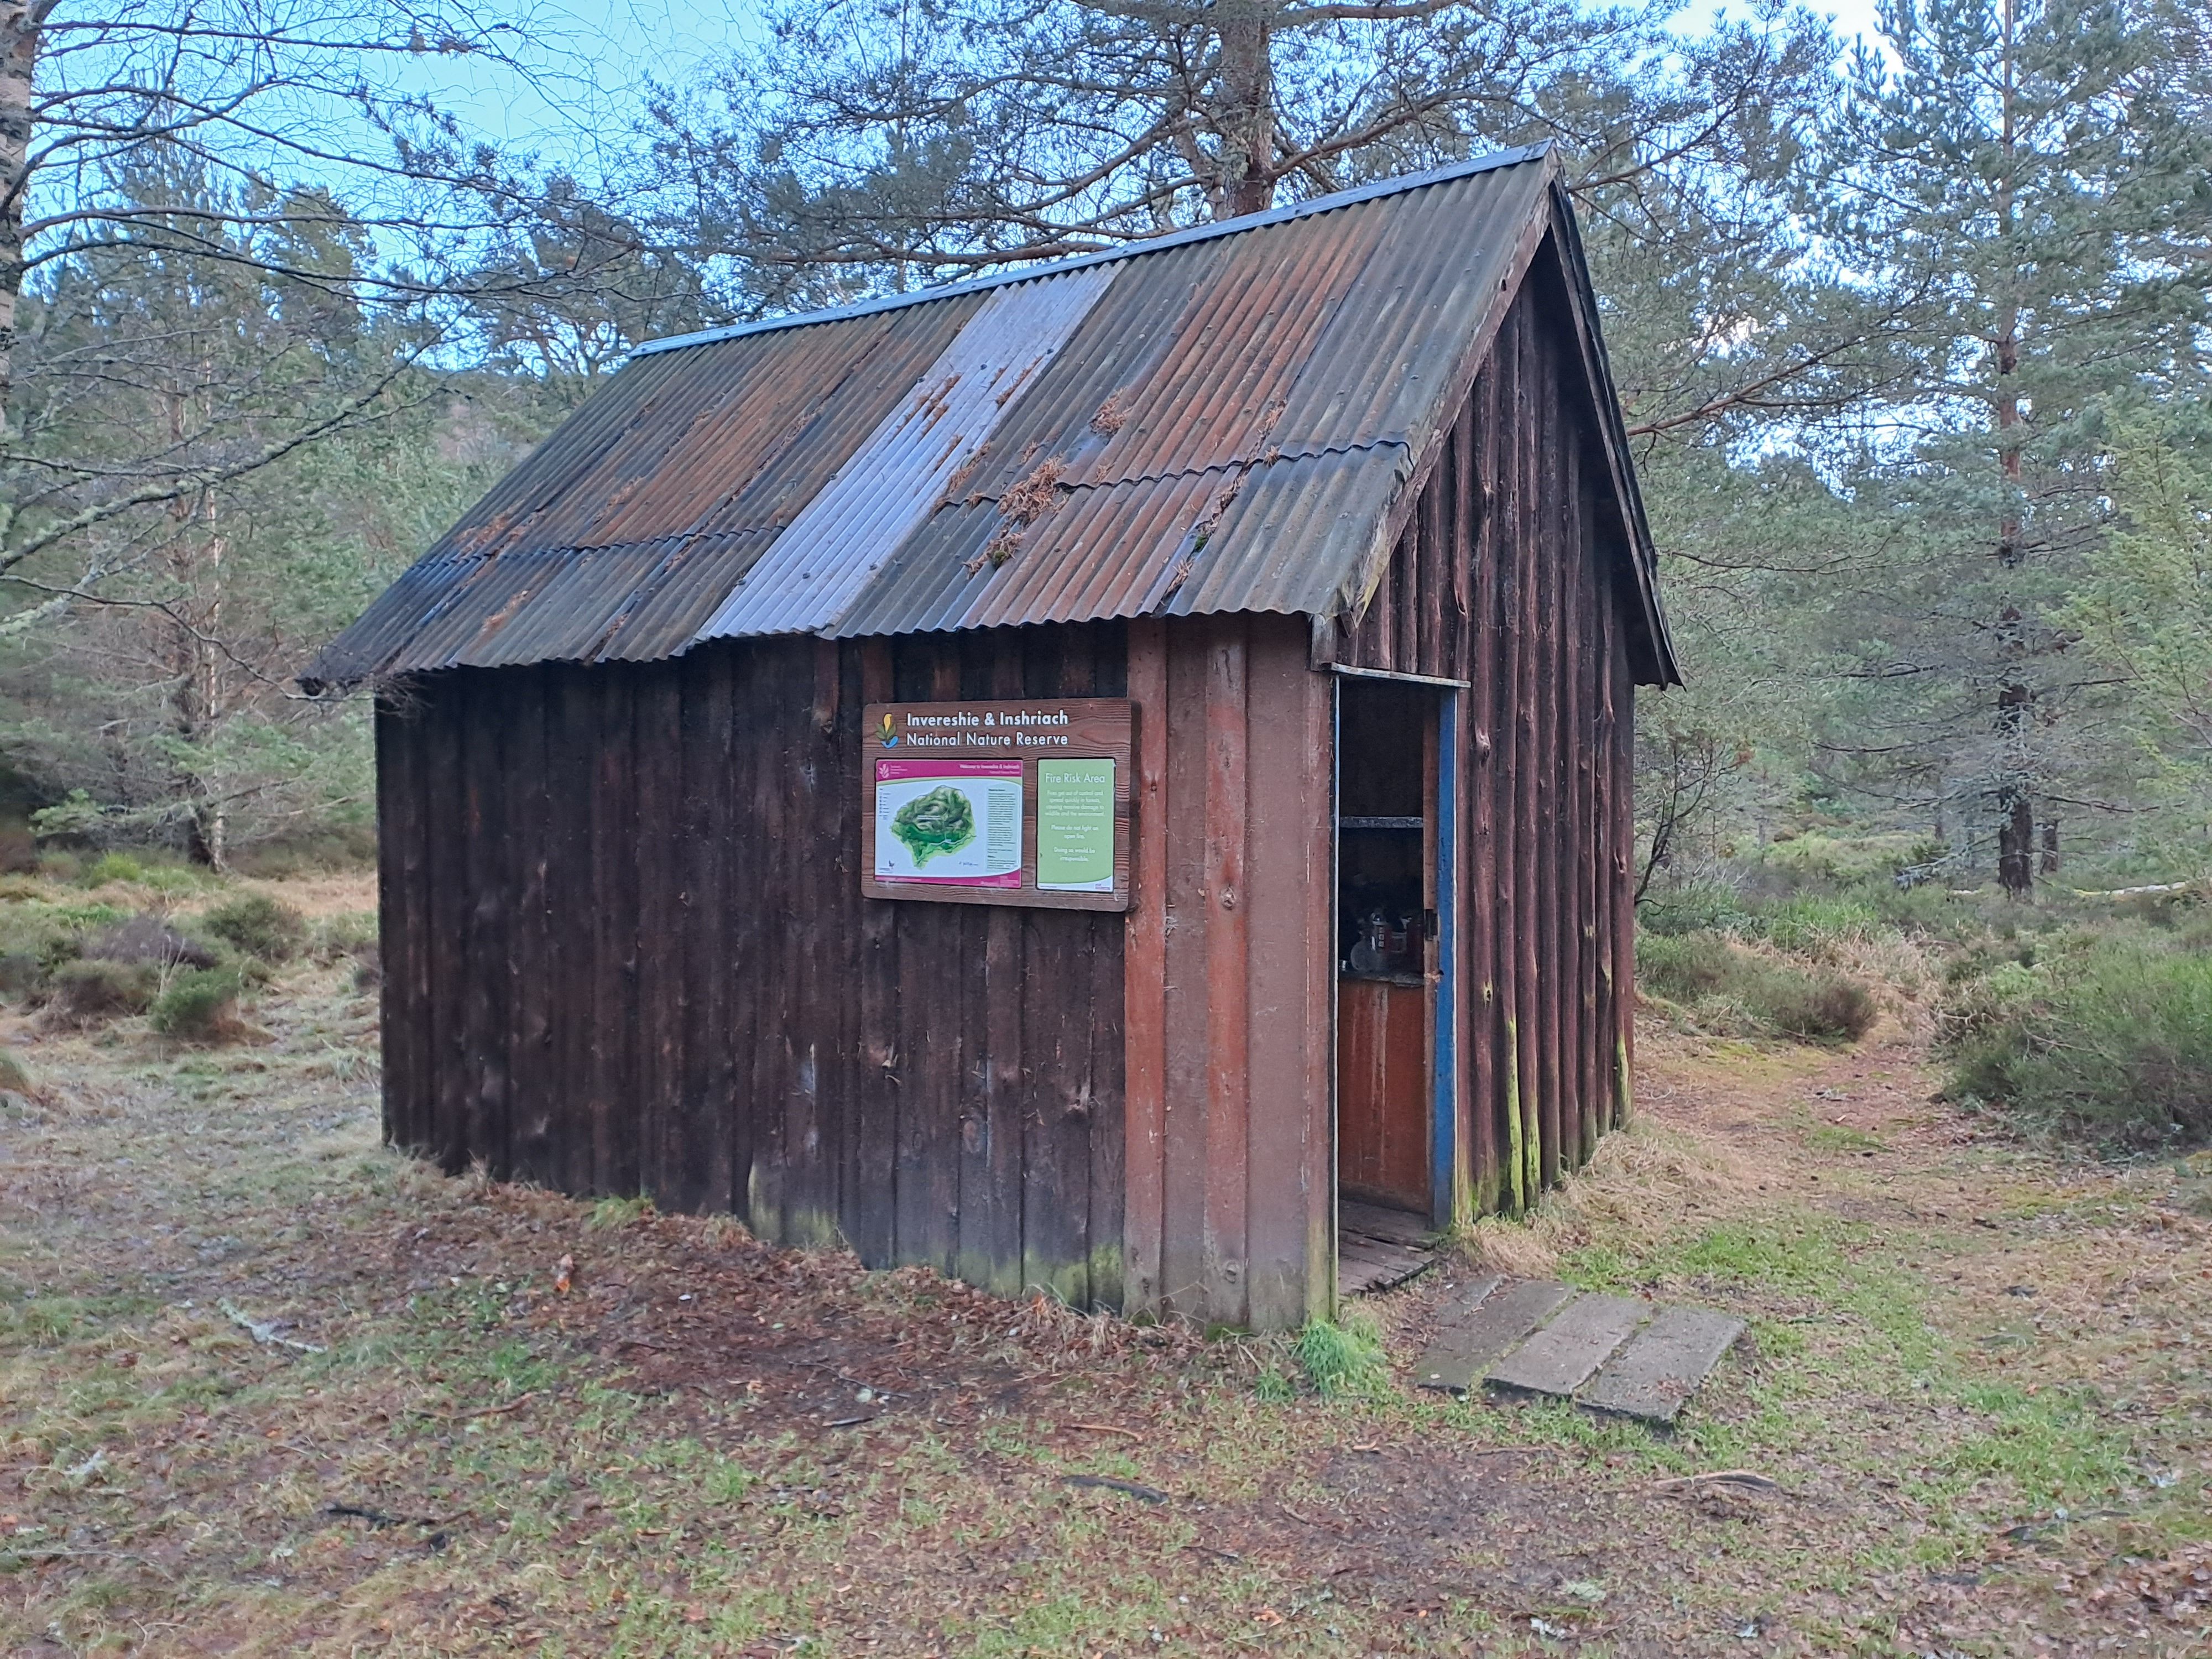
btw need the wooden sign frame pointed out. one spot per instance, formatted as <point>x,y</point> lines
<point>981,748</point>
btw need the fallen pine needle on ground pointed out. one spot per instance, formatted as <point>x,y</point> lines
<point>244,1348</point>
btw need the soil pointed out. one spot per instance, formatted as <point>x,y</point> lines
<point>266,1386</point>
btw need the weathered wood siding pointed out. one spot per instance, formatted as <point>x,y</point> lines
<point>1508,576</point>
<point>626,952</point>
<point>626,949</point>
<point>1230,967</point>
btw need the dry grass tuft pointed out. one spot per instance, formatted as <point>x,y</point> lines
<point>1036,495</point>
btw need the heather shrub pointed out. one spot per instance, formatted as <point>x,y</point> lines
<point>87,993</point>
<point>2110,1043</point>
<point>257,926</point>
<point>198,1004</point>
<point>1727,989</point>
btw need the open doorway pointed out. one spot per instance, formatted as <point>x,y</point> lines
<point>1390,970</point>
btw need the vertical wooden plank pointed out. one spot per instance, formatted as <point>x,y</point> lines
<point>1542,1153</point>
<point>658,856</point>
<point>573,736</point>
<point>839,768</point>
<point>1560,841</point>
<point>752,749</point>
<point>1478,561</point>
<point>1434,1050</point>
<point>709,1042</point>
<point>529,1018</point>
<point>1290,960</point>
<point>808,923</point>
<point>1054,1082</point>
<point>1450,1190</point>
<point>985,1231</point>
<point>1316,1025</point>
<point>872,1224</point>
<point>1576,1138</point>
<point>480,992</point>
<point>1590,1043</point>
<point>1603,833</point>
<point>1145,976</point>
<point>1108,1135</point>
<point>937,1042</point>
<point>1183,1270</point>
<point>1228,985</point>
<point>1624,877</point>
<point>1558,1155</point>
<point>614,920</point>
<point>693,1145</point>
<point>1504,542</point>
<point>447,821</point>
<point>399,844</point>
<point>1429,583</point>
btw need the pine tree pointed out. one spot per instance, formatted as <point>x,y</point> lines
<point>2024,171</point>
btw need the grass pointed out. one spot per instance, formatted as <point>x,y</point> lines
<point>1730,989</point>
<point>646,1464</point>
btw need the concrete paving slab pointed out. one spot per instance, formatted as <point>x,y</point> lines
<point>1491,1315</point>
<point>1559,1358</point>
<point>1653,1377</point>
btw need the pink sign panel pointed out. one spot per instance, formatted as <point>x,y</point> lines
<point>949,823</point>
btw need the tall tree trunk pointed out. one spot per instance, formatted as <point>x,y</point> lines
<point>1245,114</point>
<point>20,21</point>
<point>2015,698</point>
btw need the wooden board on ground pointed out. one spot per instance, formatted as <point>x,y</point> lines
<point>1654,1377</point>
<point>1384,1223</point>
<point>1489,1319</point>
<point>1378,1248</point>
<point>1560,1357</point>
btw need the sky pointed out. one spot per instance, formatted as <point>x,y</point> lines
<point>599,54</point>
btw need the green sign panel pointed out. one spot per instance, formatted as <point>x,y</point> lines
<point>1075,826</point>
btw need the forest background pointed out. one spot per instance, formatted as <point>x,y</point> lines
<point>1910,329</point>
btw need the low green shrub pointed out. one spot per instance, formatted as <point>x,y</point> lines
<point>257,926</point>
<point>1702,908</point>
<point>1809,919</point>
<point>1343,1358</point>
<point>114,866</point>
<point>86,993</point>
<point>1731,991</point>
<point>198,1004</point>
<point>2110,1044</point>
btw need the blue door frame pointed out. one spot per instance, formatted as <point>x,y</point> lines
<point>1443,1053</point>
<point>1443,1059</point>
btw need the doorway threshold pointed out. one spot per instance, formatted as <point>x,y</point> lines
<point>1378,1248</point>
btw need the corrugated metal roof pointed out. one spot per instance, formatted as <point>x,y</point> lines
<point>1220,420</point>
<point>876,499</point>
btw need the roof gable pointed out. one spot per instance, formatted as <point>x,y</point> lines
<point>1225,419</point>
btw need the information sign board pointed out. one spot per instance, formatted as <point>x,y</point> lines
<point>1005,802</point>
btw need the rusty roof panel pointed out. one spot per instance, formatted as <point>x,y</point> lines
<point>1219,420</point>
<point>1097,554</point>
<point>1293,536</point>
<point>1380,371</point>
<point>668,613</point>
<point>393,617</point>
<point>890,483</point>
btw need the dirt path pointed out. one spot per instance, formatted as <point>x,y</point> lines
<point>1977,1405</point>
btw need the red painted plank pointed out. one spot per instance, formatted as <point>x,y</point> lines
<point>1228,984</point>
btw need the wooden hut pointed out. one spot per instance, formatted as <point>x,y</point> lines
<point>1259,609</point>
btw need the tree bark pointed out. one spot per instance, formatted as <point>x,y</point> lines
<point>1246,119</point>
<point>20,21</point>
<point>2015,697</point>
